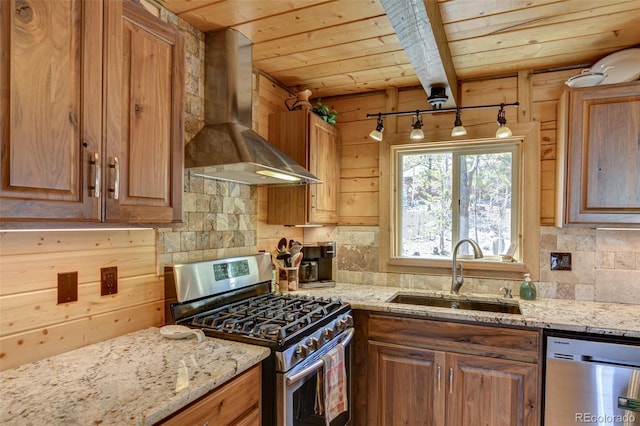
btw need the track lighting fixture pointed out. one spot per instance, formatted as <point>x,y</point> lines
<point>503,131</point>
<point>417,133</point>
<point>376,134</point>
<point>458,128</point>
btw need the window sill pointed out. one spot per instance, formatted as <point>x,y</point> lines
<point>472,268</point>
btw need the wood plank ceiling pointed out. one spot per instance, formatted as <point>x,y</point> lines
<point>336,47</point>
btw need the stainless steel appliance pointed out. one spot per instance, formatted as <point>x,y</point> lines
<point>324,254</point>
<point>308,271</point>
<point>591,381</point>
<point>231,299</point>
<point>226,148</point>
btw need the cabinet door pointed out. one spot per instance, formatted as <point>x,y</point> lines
<point>486,391</point>
<point>289,132</point>
<point>406,386</point>
<point>324,163</point>
<point>144,117</point>
<point>603,156</point>
<point>50,109</point>
<point>313,143</point>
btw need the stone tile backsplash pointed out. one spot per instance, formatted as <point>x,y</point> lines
<point>605,265</point>
<point>220,220</point>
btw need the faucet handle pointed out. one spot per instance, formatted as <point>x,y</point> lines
<point>507,292</point>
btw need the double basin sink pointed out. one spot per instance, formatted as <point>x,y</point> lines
<point>452,302</point>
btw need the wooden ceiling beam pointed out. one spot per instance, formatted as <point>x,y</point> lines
<point>419,27</point>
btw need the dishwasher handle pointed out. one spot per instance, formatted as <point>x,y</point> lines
<point>610,361</point>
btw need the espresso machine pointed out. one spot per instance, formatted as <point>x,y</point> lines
<point>319,265</point>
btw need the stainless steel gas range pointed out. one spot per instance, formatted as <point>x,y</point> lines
<point>231,298</point>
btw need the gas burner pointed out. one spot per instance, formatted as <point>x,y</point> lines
<point>270,331</point>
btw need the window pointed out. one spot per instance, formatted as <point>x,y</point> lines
<point>445,194</point>
<point>500,209</point>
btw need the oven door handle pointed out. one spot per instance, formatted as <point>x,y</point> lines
<point>319,363</point>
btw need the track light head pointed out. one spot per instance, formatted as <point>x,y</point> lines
<point>503,131</point>
<point>376,134</point>
<point>458,129</point>
<point>417,133</point>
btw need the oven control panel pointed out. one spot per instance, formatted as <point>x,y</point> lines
<point>318,343</point>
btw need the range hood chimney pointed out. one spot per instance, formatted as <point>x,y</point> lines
<point>226,148</point>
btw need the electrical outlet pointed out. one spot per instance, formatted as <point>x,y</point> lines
<point>67,287</point>
<point>560,261</point>
<point>108,280</point>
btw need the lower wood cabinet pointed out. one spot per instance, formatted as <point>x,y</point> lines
<point>423,372</point>
<point>237,402</point>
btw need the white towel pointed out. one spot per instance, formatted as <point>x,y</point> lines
<point>331,389</point>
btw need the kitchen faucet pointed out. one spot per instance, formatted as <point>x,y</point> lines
<point>457,281</point>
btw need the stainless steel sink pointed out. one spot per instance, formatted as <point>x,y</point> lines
<point>456,303</point>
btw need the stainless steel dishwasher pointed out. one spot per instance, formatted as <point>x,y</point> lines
<point>591,381</point>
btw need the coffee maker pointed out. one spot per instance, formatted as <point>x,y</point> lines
<point>319,265</point>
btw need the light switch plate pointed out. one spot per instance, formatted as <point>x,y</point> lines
<point>67,287</point>
<point>560,261</point>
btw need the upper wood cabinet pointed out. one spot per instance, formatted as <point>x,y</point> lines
<point>144,116</point>
<point>598,157</point>
<point>50,108</point>
<point>313,143</point>
<point>90,114</point>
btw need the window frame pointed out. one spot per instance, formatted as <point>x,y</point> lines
<point>528,136</point>
<point>457,150</point>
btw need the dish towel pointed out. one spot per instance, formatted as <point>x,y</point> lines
<point>331,385</point>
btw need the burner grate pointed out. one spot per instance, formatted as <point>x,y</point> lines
<point>272,316</point>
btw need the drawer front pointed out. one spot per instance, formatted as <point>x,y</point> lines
<point>459,337</point>
<point>235,402</point>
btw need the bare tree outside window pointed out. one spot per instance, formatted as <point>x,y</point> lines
<point>450,195</point>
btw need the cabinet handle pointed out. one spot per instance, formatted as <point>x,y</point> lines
<point>96,163</point>
<point>451,380</point>
<point>438,376</point>
<point>116,181</point>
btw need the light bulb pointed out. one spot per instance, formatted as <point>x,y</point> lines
<point>503,132</point>
<point>417,133</point>
<point>458,131</point>
<point>376,135</point>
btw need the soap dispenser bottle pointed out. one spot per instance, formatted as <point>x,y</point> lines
<point>528,288</point>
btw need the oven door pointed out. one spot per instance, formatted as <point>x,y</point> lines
<point>296,389</point>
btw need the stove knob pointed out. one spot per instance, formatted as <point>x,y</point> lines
<point>344,323</point>
<point>302,351</point>
<point>328,333</point>
<point>313,343</point>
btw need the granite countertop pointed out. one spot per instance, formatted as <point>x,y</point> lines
<point>135,379</point>
<point>569,315</point>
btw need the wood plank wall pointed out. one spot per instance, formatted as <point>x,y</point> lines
<point>359,204</point>
<point>33,326</point>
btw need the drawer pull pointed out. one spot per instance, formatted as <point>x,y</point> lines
<point>451,380</point>
<point>438,375</point>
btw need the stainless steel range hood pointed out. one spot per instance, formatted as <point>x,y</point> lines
<point>226,148</point>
